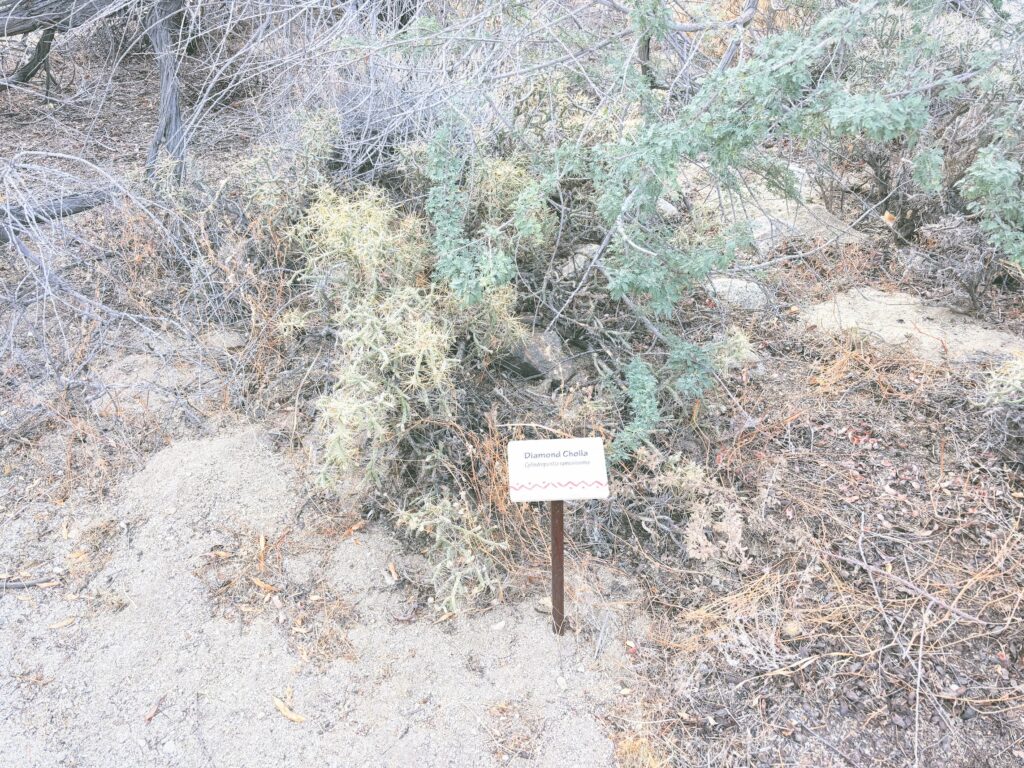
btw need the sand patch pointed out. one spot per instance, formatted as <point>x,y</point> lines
<point>141,667</point>
<point>936,334</point>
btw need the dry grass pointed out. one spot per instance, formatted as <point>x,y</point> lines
<point>515,731</point>
<point>640,752</point>
<point>882,578</point>
<point>247,580</point>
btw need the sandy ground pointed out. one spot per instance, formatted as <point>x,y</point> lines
<point>131,661</point>
<point>933,333</point>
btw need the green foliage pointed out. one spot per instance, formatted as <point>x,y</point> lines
<point>928,169</point>
<point>874,116</point>
<point>650,17</point>
<point>530,215</point>
<point>470,267</point>
<point>642,390</point>
<point>994,188</point>
<point>661,276</point>
<point>691,366</point>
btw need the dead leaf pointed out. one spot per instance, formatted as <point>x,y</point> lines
<point>156,708</point>
<point>263,585</point>
<point>64,623</point>
<point>283,708</point>
<point>393,571</point>
<point>889,218</point>
<point>353,528</point>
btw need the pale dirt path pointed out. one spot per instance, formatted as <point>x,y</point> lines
<point>151,673</point>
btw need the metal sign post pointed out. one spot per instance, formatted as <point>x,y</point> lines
<point>557,567</point>
<point>557,471</point>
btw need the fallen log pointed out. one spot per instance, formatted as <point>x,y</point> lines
<point>15,218</point>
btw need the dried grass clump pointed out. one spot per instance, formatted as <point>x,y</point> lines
<point>274,180</point>
<point>734,352</point>
<point>1003,404</point>
<point>714,526</point>
<point>639,752</point>
<point>493,322</point>
<point>496,184</point>
<point>1005,384</point>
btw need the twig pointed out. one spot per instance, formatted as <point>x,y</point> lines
<point>12,585</point>
<point>913,589</point>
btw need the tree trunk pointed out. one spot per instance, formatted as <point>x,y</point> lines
<point>40,59</point>
<point>169,132</point>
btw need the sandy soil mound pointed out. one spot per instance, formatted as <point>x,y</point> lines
<point>139,667</point>
<point>936,334</point>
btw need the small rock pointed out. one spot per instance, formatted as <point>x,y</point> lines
<point>224,340</point>
<point>744,294</point>
<point>667,211</point>
<point>542,355</point>
<point>579,261</point>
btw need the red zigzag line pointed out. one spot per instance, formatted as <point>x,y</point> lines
<point>567,484</point>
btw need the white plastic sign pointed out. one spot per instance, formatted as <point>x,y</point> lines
<point>553,470</point>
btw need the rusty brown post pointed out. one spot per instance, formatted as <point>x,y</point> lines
<point>557,567</point>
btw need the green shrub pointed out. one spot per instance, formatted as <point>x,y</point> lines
<point>642,391</point>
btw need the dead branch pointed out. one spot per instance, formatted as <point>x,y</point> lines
<point>15,218</point>
<point>20,17</point>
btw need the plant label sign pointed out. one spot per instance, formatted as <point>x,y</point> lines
<point>557,470</point>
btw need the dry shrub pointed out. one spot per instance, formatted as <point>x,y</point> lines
<point>698,514</point>
<point>714,527</point>
<point>462,550</point>
<point>358,244</point>
<point>393,342</point>
<point>1003,406</point>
